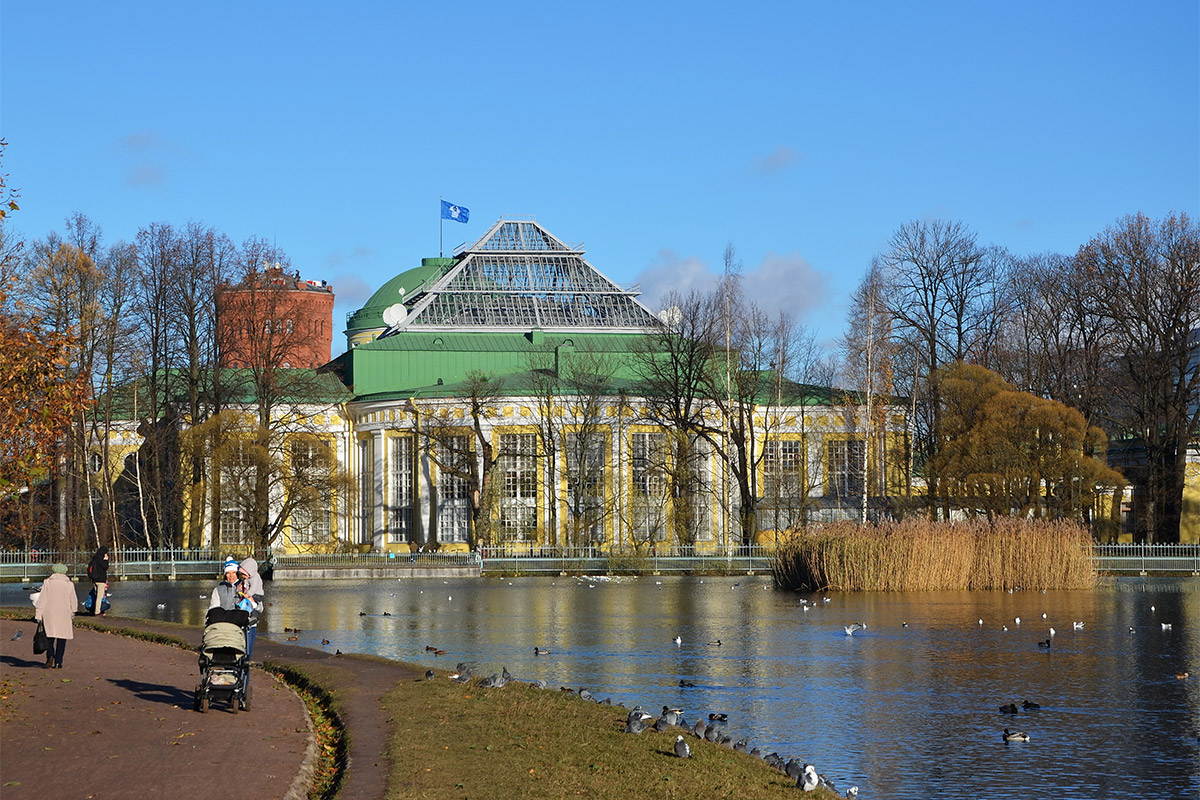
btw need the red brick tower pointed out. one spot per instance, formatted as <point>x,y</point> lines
<point>275,317</point>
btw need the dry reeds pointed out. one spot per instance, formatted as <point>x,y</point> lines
<point>918,555</point>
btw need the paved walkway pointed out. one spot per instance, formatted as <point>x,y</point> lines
<point>117,720</point>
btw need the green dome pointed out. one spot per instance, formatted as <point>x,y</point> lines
<point>370,316</point>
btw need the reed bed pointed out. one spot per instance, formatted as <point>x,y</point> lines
<point>918,555</point>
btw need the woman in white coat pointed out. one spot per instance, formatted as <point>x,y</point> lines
<point>55,607</point>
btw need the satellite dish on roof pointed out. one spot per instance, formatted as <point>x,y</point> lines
<point>671,315</point>
<point>394,314</point>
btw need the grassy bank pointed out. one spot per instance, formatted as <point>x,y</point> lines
<point>453,740</point>
<point>918,555</point>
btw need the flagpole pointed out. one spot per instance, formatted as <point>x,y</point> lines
<point>440,222</point>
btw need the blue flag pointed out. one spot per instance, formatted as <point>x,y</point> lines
<point>456,213</point>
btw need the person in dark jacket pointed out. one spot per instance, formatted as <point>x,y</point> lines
<point>97,571</point>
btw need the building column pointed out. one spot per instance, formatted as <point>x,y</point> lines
<point>379,537</point>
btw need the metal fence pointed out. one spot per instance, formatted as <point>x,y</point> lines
<point>1141,559</point>
<point>372,560</point>
<point>172,563</point>
<point>598,561</point>
<point>136,563</point>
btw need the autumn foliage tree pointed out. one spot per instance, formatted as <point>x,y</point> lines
<point>38,399</point>
<point>1003,452</point>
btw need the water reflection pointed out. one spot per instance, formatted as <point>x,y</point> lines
<point>901,710</point>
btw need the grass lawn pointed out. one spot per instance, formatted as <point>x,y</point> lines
<point>453,740</point>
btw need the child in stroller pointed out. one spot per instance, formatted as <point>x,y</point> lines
<point>224,668</point>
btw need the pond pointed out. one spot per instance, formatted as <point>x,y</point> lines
<point>908,706</point>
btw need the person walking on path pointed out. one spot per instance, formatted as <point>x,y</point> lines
<point>54,608</point>
<point>97,572</point>
<point>225,593</point>
<point>251,588</point>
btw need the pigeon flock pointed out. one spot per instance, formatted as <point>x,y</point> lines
<point>670,720</point>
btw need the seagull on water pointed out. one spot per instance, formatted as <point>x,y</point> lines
<point>678,641</point>
<point>1078,626</point>
<point>852,627</point>
<point>1015,736</point>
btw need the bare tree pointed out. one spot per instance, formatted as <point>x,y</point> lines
<point>259,340</point>
<point>674,372</point>
<point>159,259</point>
<point>571,389</point>
<point>869,358</point>
<point>206,261</point>
<point>719,354</point>
<point>464,452</point>
<point>934,272</point>
<point>1144,281</point>
<point>1055,346</point>
<point>792,483</point>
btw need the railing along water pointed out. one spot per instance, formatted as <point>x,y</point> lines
<point>1144,558</point>
<point>184,563</point>
<point>123,563</point>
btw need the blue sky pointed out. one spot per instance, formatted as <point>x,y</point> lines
<point>655,133</point>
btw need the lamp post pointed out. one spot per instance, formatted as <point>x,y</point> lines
<point>417,532</point>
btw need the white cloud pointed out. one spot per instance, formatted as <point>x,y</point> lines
<point>781,282</point>
<point>671,272</point>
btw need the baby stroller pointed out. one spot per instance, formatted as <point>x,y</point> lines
<point>224,668</point>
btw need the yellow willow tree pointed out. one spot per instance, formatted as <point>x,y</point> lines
<point>1003,452</point>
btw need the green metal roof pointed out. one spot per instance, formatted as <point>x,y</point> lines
<point>411,361</point>
<point>131,400</point>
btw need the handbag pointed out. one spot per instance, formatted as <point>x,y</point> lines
<point>41,643</point>
<point>90,603</point>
